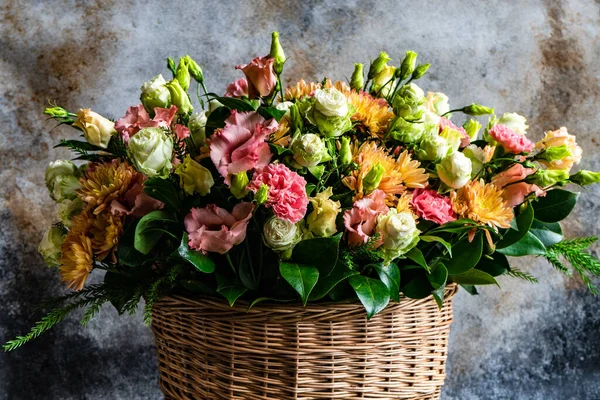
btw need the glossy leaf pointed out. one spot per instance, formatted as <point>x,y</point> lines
<point>519,228</point>
<point>234,104</point>
<point>372,293</point>
<point>126,252</point>
<point>321,253</point>
<point>216,119</point>
<point>437,279</point>
<point>549,233</point>
<point>163,190</point>
<point>457,226</point>
<point>390,276</point>
<point>474,277</point>
<point>149,230</point>
<point>555,206</point>
<point>465,255</point>
<point>302,278</point>
<point>528,245</point>
<point>418,287</point>
<point>271,112</point>
<point>325,284</point>
<point>230,289</point>
<point>417,256</point>
<point>495,264</point>
<point>430,239</point>
<point>202,262</point>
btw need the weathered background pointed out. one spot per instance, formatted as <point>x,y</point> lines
<point>539,58</point>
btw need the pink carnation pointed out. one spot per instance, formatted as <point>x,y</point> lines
<point>136,118</point>
<point>445,122</point>
<point>214,229</point>
<point>510,140</point>
<point>515,193</point>
<point>260,76</point>
<point>361,219</point>
<point>287,191</point>
<point>237,88</point>
<point>432,206</point>
<point>181,131</point>
<point>241,145</point>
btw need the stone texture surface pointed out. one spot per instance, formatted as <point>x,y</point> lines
<point>538,58</point>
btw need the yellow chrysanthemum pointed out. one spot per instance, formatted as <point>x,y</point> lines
<point>104,183</point>
<point>105,230</point>
<point>482,203</point>
<point>399,173</point>
<point>77,257</point>
<point>371,113</point>
<point>303,88</point>
<point>280,137</point>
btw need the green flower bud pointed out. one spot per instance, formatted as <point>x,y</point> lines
<point>420,71</point>
<point>345,154</point>
<point>171,65</point>
<point>455,170</point>
<point>408,100</point>
<point>151,150</point>
<point>477,157</point>
<point>56,112</point>
<point>585,177</point>
<point>194,69</point>
<point>373,178</point>
<point>408,65</point>
<point>477,109</point>
<point>238,185</point>
<point>62,180</point>
<point>383,83</point>
<point>377,66</point>
<point>330,112</point>
<point>295,118</point>
<point>197,125</point>
<point>193,177</point>
<point>49,247</point>
<point>261,194</point>
<point>544,178</point>
<point>281,236</point>
<point>358,80</point>
<point>432,147</point>
<point>472,128</point>
<point>554,153</point>
<point>182,74</point>
<point>179,97</point>
<point>277,53</point>
<point>155,94</point>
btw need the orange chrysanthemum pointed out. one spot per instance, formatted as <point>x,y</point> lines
<point>303,89</point>
<point>281,137</point>
<point>399,173</point>
<point>106,182</point>
<point>371,113</point>
<point>77,259</point>
<point>105,230</point>
<point>482,203</point>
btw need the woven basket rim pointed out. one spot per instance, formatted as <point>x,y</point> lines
<point>206,301</point>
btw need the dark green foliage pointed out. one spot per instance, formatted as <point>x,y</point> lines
<point>574,252</point>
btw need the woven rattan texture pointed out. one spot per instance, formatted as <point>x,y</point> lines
<point>208,350</point>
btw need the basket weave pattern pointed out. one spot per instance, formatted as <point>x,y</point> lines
<point>208,350</point>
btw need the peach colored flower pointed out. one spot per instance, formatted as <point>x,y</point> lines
<point>515,193</point>
<point>361,219</point>
<point>260,76</point>
<point>560,137</point>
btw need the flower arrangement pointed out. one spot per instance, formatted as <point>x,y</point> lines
<point>322,191</point>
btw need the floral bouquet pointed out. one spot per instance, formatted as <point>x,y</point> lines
<point>364,190</point>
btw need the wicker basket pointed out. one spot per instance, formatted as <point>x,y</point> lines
<point>208,350</point>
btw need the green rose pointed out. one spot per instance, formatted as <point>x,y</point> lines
<point>407,132</point>
<point>455,170</point>
<point>155,94</point>
<point>398,232</point>
<point>309,150</point>
<point>62,180</point>
<point>408,101</point>
<point>151,150</point>
<point>67,209</point>
<point>330,112</point>
<point>49,247</point>
<point>515,122</point>
<point>432,147</point>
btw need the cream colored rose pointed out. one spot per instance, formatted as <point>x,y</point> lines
<point>455,170</point>
<point>321,221</point>
<point>398,232</point>
<point>331,102</point>
<point>97,130</point>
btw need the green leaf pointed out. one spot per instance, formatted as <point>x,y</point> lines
<point>234,104</point>
<point>122,289</point>
<point>146,233</point>
<point>317,171</point>
<point>437,279</point>
<point>528,245</point>
<point>163,190</point>
<point>390,276</point>
<point>196,287</point>
<point>495,265</point>
<point>278,150</point>
<point>216,119</point>
<point>326,283</point>
<point>230,289</point>
<point>457,226</point>
<point>417,256</point>
<point>302,278</point>
<point>271,112</point>
<point>78,145</point>
<point>549,233</point>
<point>519,227</point>
<point>472,290</point>
<point>321,253</point>
<point>310,187</point>
<point>418,287</point>
<point>372,293</point>
<point>474,277</point>
<point>429,239</point>
<point>555,206</point>
<point>126,253</point>
<point>202,262</point>
<point>465,255</point>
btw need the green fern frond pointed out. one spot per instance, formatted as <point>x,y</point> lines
<point>517,273</point>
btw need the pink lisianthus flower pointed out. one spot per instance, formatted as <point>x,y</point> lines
<point>260,76</point>
<point>137,118</point>
<point>515,193</point>
<point>241,145</point>
<point>361,219</point>
<point>432,206</point>
<point>510,140</point>
<point>237,88</point>
<point>445,122</point>
<point>135,203</point>
<point>287,191</point>
<point>214,229</point>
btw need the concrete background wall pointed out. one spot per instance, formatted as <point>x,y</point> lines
<point>538,58</point>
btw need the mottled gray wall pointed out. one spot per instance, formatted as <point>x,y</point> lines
<point>539,58</point>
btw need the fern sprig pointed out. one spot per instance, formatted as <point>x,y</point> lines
<point>517,273</point>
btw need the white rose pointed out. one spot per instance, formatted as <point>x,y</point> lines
<point>432,147</point>
<point>281,235</point>
<point>331,102</point>
<point>67,209</point>
<point>437,102</point>
<point>477,157</point>
<point>62,180</point>
<point>309,150</point>
<point>398,232</point>
<point>515,122</point>
<point>151,151</point>
<point>455,170</point>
